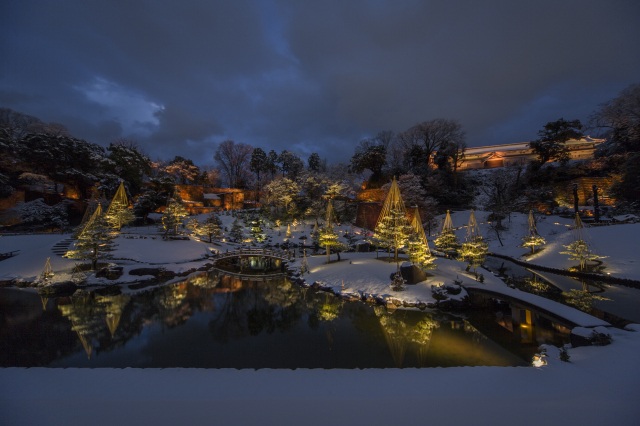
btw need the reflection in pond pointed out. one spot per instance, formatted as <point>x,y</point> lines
<point>220,321</point>
<point>399,334</point>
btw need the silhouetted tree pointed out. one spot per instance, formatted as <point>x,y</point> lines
<point>550,144</point>
<point>314,162</point>
<point>129,163</point>
<point>233,160</point>
<point>426,138</point>
<point>619,121</point>
<point>371,156</point>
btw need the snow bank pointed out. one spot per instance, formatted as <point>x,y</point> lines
<point>597,387</point>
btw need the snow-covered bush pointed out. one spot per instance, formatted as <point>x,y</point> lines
<point>37,214</point>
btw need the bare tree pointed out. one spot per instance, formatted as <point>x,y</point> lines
<point>16,124</point>
<point>233,161</point>
<point>619,121</point>
<point>426,138</point>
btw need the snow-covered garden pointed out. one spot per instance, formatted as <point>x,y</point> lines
<point>597,386</point>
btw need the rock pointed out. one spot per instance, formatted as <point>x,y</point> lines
<point>110,272</point>
<point>65,288</point>
<point>582,336</point>
<point>159,273</point>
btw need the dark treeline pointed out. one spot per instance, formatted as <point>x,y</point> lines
<point>425,158</point>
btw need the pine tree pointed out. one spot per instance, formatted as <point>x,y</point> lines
<point>328,237</point>
<point>212,227</point>
<point>95,241</point>
<point>236,234</point>
<point>579,249</point>
<point>582,299</point>
<point>173,216</point>
<point>474,249</point>
<point>447,242</point>
<point>118,213</point>
<point>532,239</point>
<point>255,226</point>
<point>419,252</point>
<point>392,229</point>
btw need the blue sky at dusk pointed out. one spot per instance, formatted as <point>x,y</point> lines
<point>180,77</point>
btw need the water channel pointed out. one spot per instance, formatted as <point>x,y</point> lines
<point>214,320</point>
<point>622,301</point>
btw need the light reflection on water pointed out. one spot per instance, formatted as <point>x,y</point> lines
<point>217,321</point>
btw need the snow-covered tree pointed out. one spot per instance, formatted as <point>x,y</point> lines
<point>413,193</point>
<point>173,216</point>
<point>94,241</point>
<point>183,171</point>
<point>212,227</point>
<point>37,214</point>
<point>474,249</point>
<point>579,249</point>
<point>418,246</point>
<point>532,239</point>
<point>127,162</point>
<point>281,195</point>
<point>256,229</point>
<point>392,229</point>
<point>118,213</point>
<point>236,233</point>
<point>447,241</point>
<point>328,237</point>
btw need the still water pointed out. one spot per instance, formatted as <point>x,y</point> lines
<point>219,321</point>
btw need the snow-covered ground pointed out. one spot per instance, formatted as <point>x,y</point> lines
<point>599,385</point>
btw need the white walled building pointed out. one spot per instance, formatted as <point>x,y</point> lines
<point>486,157</point>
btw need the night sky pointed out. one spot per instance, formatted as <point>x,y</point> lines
<point>179,77</point>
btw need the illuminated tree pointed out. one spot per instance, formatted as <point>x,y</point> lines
<point>447,241</point>
<point>255,227</point>
<point>118,213</point>
<point>419,252</point>
<point>173,216</point>
<point>212,227</point>
<point>579,249</point>
<point>582,299</point>
<point>47,273</point>
<point>392,229</point>
<point>183,171</point>
<point>328,237</point>
<point>281,195</point>
<point>474,249</point>
<point>95,241</point>
<point>532,239</point>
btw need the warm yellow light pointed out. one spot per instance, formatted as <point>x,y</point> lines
<point>538,360</point>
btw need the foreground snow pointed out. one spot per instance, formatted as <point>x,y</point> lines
<point>599,386</point>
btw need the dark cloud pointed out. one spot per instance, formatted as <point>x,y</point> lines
<point>180,77</point>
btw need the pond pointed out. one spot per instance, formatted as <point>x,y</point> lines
<point>219,321</point>
<point>620,306</point>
